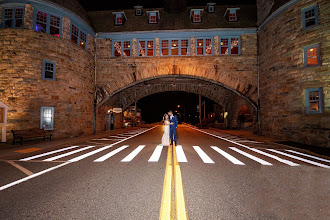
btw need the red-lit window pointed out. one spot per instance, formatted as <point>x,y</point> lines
<point>232,16</point>
<point>208,46</point>
<point>74,34</point>
<point>204,46</point>
<point>184,47</point>
<point>55,25</point>
<point>312,55</point>
<point>165,49</point>
<point>197,18</point>
<point>146,48</point>
<point>78,37</point>
<point>224,46</point>
<point>150,48</point>
<point>142,48</point>
<point>83,39</point>
<point>119,20</point>
<point>314,100</point>
<point>200,46</point>
<point>175,48</point>
<point>127,49</point>
<point>234,45</point>
<point>153,19</point>
<point>230,46</point>
<point>196,15</point>
<point>41,21</point>
<point>117,49</point>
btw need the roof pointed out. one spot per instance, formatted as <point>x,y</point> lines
<point>103,20</point>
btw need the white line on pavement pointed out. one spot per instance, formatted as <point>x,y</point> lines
<point>228,156</point>
<point>107,147</point>
<point>203,155</point>
<point>290,163</point>
<point>133,154</point>
<point>307,155</point>
<point>67,154</point>
<point>251,156</point>
<point>103,158</point>
<point>48,153</point>
<point>181,157</point>
<point>156,154</point>
<point>299,158</point>
<point>23,169</point>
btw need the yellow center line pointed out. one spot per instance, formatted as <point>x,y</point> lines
<point>166,207</point>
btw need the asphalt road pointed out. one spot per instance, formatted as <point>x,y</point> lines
<point>86,184</point>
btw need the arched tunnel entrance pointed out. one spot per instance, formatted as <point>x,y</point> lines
<point>227,102</point>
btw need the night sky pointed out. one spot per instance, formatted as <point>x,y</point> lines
<point>153,107</point>
<point>95,5</point>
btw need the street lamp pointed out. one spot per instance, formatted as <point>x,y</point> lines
<point>178,106</point>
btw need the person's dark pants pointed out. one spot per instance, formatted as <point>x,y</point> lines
<point>173,135</point>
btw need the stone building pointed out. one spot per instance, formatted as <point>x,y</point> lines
<point>63,68</point>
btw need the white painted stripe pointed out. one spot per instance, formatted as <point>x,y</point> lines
<point>107,147</point>
<point>48,153</point>
<point>23,169</point>
<point>181,157</point>
<point>228,156</point>
<point>156,154</point>
<point>32,176</point>
<point>307,155</point>
<point>251,156</point>
<point>67,154</point>
<point>103,158</point>
<point>203,155</point>
<point>299,158</point>
<point>133,154</point>
<point>102,139</point>
<point>290,163</point>
<point>124,134</point>
<point>118,137</point>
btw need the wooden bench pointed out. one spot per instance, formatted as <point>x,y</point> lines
<point>35,134</point>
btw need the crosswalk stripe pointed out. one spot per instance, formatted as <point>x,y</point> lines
<point>181,157</point>
<point>307,155</point>
<point>203,155</point>
<point>133,154</point>
<point>103,158</point>
<point>67,154</point>
<point>251,156</point>
<point>156,154</point>
<point>228,156</point>
<point>290,163</point>
<point>48,153</point>
<point>299,158</point>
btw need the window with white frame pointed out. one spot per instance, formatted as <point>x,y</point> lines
<point>153,17</point>
<point>231,14</point>
<point>310,16</point>
<point>47,23</point>
<point>312,55</point>
<point>174,47</point>
<point>13,17</point>
<point>210,7</point>
<point>146,48</point>
<point>48,70</point>
<point>47,118</point>
<point>138,10</point>
<point>204,46</point>
<point>314,101</point>
<point>119,17</point>
<point>196,15</point>
<point>78,37</point>
<point>230,46</point>
<point>122,48</point>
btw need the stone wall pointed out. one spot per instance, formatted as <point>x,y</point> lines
<point>22,87</point>
<point>284,77</point>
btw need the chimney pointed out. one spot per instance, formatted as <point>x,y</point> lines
<point>175,6</point>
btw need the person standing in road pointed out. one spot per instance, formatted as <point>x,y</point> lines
<point>173,126</point>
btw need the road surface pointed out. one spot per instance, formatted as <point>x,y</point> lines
<point>122,177</point>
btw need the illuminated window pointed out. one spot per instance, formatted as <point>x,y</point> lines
<point>153,17</point>
<point>78,37</point>
<point>231,14</point>
<point>13,17</point>
<point>314,101</point>
<point>47,23</point>
<point>122,49</point>
<point>146,48</point>
<point>47,118</point>
<point>175,47</point>
<point>196,15</point>
<point>48,70</point>
<point>310,16</point>
<point>119,17</point>
<point>230,46</point>
<point>312,55</point>
<point>204,46</point>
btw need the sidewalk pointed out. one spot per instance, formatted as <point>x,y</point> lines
<point>9,150</point>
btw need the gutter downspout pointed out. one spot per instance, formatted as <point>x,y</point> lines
<point>258,67</point>
<point>95,95</point>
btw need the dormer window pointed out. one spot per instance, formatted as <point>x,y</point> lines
<point>153,17</point>
<point>210,7</point>
<point>196,15</point>
<point>119,17</point>
<point>138,10</point>
<point>231,14</point>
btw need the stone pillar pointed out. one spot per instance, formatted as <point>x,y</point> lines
<point>192,46</point>
<point>28,17</point>
<point>66,28</point>
<point>134,47</point>
<point>216,45</point>
<point>157,47</point>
